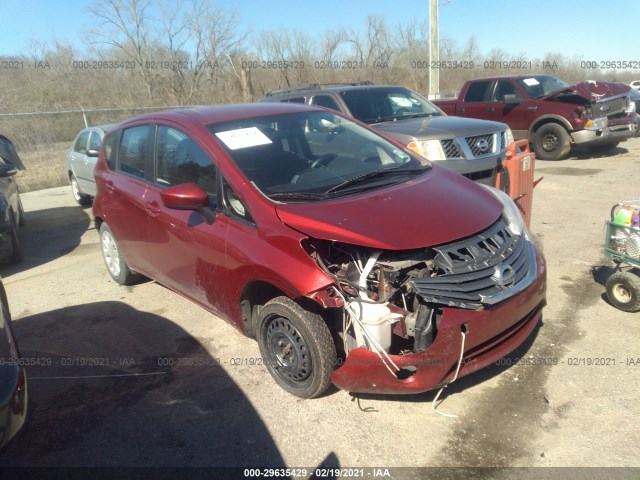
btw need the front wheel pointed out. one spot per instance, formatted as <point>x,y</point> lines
<point>113,259</point>
<point>296,347</point>
<point>551,142</point>
<point>623,290</point>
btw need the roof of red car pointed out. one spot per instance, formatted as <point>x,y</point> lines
<point>206,115</point>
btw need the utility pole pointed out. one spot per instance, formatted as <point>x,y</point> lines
<point>434,49</point>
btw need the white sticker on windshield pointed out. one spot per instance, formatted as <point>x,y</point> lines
<point>243,138</point>
<point>531,82</point>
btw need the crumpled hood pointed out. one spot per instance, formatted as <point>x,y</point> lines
<point>592,91</point>
<point>435,208</point>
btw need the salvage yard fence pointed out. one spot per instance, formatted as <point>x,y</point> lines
<point>42,138</point>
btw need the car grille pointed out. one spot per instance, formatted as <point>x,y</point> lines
<point>609,107</point>
<point>481,145</point>
<point>482,270</point>
<point>450,149</point>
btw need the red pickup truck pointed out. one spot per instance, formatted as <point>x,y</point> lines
<point>549,113</point>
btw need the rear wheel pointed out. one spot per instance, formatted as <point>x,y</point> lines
<point>551,142</point>
<point>113,259</point>
<point>78,196</point>
<point>296,347</point>
<point>623,290</point>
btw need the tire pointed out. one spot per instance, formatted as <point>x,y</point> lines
<point>16,249</point>
<point>78,196</point>
<point>113,259</point>
<point>551,142</point>
<point>606,148</point>
<point>623,291</point>
<point>22,221</point>
<point>296,347</point>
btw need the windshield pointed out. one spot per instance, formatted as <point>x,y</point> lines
<point>312,155</point>
<point>388,104</point>
<point>538,86</point>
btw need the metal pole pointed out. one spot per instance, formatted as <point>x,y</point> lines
<point>434,49</point>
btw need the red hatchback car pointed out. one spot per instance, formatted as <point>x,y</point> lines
<point>347,257</point>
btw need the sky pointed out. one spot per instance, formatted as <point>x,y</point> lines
<point>596,30</point>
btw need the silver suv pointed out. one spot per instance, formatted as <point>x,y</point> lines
<point>467,146</point>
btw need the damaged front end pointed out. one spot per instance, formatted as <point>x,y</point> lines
<point>403,311</point>
<point>605,109</point>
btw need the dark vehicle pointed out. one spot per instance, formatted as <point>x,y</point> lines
<point>13,378</point>
<point>348,257</point>
<point>634,96</point>
<point>11,211</point>
<point>468,146</point>
<point>80,160</point>
<point>549,113</point>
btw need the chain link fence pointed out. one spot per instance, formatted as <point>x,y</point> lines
<point>42,138</point>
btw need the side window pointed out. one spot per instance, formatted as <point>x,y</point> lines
<point>94,141</point>
<point>133,150</point>
<point>476,92</point>
<point>81,143</point>
<point>503,88</point>
<point>181,160</point>
<point>296,100</point>
<point>110,143</point>
<point>325,101</point>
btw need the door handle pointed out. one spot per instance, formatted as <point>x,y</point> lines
<point>461,110</point>
<point>152,207</point>
<point>491,109</point>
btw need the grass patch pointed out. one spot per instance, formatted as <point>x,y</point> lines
<point>45,168</point>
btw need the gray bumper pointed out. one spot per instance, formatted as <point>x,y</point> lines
<point>604,136</point>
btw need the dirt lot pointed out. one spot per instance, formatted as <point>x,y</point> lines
<point>139,376</point>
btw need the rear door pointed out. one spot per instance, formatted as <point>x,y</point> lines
<point>476,102</point>
<point>124,189</point>
<point>89,163</point>
<point>79,160</point>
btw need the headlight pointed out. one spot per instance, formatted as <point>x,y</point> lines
<point>430,149</point>
<point>510,212</point>
<point>597,124</point>
<point>633,106</point>
<point>508,136</point>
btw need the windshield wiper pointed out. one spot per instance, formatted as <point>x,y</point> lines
<point>419,115</point>
<point>377,173</point>
<point>297,196</point>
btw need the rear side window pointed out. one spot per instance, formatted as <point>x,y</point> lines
<point>81,143</point>
<point>133,150</point>
<point>477,92</point>
<point>325,101</point>
<point>181,160</point>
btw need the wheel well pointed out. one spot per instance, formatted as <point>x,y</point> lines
<point>541,123</point>
<point>253,298</point>
<point>257,294</point>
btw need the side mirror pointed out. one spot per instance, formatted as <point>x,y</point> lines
<point>92,153</point>
<point>512,99</point>
<point>185,196</point>
<point>188,196</point>
<point>7,170</point>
